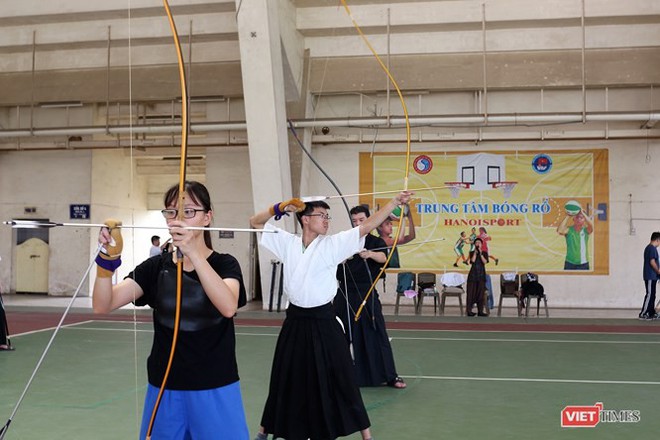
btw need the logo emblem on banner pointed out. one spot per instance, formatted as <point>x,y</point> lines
<point>542,163</point>
<point>423,164</point>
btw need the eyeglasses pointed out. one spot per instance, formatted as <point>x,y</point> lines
<point>323,216</point>
<point>170,214</point>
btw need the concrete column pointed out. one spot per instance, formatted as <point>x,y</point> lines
<point>265,111</point>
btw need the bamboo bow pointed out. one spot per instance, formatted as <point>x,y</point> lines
<point>407,169</point>
<point>182,182</point>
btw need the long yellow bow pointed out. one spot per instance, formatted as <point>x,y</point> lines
<point>182,182</point>
<point>407,169</point>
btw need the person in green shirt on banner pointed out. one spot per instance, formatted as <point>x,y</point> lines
<point>577,236</point>
<point>471,239</point>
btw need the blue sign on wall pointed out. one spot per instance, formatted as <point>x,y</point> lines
<point>79,212</point>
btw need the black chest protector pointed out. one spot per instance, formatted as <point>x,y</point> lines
<point>197,310</point>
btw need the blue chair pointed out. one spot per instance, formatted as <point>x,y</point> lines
<point>405,281</point>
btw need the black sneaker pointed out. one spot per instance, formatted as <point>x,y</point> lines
<point>644,317</point>
<point>455,265</point>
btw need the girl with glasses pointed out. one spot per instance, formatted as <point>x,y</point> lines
<point>202,398</point>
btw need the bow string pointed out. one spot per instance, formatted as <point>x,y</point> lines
<point>343,197</point>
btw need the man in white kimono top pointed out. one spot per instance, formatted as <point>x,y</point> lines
<point>311,339</point>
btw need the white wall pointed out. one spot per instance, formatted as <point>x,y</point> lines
<point>228,182</point>
<point>117,192</point>
<point>50,182</point>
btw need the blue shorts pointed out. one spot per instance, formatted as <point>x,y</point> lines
<point>201,414</point>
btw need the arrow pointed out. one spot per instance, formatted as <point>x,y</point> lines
<point>412,243</point>
<point>32,224</point>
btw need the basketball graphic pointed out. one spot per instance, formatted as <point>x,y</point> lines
<point>396,213</point>
<point>572,207</point>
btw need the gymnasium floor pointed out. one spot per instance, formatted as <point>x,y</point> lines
<point>468,378</point>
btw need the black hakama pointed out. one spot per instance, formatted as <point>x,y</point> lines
<point>374,360</point>
<point>313,391</point>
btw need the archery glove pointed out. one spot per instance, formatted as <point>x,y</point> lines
<point>109,259</point>
<point>278,209</point>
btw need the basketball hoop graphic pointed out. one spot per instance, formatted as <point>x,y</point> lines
<point>481,172</point>
<point>506,187</point>
<point>455,188</point>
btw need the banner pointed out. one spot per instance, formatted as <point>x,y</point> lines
<point>543,212</point>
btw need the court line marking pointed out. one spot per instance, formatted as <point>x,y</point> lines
<point>554,341</point>
<point>392,330</point>
<point>32,332</point>
<point>108,329</point>
<point>74,326</point>
<point>464,378</point>
<point>151,331</point>
<point>514,379</point>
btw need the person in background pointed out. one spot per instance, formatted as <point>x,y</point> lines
<point>651,273</point>
<point>313,391</point>
<point>5,342</point>
<point>202,397</point>
<point>155,246</point>
<point>374,360</point>
<point>404,280</point>
<point>476,281</point>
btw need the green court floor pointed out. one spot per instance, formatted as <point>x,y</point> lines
<point>461,384</point>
